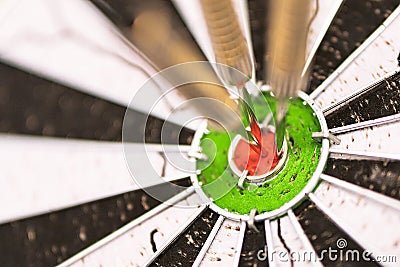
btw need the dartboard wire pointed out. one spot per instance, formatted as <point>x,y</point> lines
<point>117,33</point>
<point>329,109</point>
<point>303,237</point>
<point>239,245</point>
<point>359,216</point>
<point>342,153</point>
<point>155,211</point>
<point>379,58</point>
<point>365,124</point>
<point>288,212</point>
<point>270,243</point>
<point>63,162</point>
<point>209,241</point>
<point>299,197</point>
<point>179,232</point>
<point>328,21</point>
<point>392,16</point>
<point>164,148</point>
<point>321,88</point>
<point>173,179</point>
<point>348,230</point>
<point>385,200</point>
<point>133,59</point>
<point>243,11</point>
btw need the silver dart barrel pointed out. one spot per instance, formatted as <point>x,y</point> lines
<point>288,22</point>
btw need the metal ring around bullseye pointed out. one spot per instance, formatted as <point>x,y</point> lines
<point>257,179</point>
<point>298,198</point>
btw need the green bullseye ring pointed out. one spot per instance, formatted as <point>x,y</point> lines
<point>303,158</point>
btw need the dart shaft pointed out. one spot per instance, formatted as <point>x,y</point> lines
<point>288,23</point>
<point>248,115</point>
<point>280,121</point>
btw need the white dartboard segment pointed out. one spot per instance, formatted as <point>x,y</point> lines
<point>369,123</point>
<point>371,61</point>
<point>363,218</point>
<point>40,174</point>
<point>377,139</point>
<point>136,245</point>
<point>46,38</point>
<point>223,248</point>
<point>289,250</point>
<point>71,42</point>
<point>323,13</point>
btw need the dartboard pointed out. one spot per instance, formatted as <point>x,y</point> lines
<point>69,71</point>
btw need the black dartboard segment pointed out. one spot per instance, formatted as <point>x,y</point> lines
<point>32,105</point>
<point>258,20</point>
<point>253,242</point>
<point>379,100</point>
<point>379,176</point>
<point>123,14</point>
<point>353,23</point>
<point>51,238</point>
<point>323,234</point>
<point>184,250</point>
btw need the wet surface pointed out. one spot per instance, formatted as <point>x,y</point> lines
<point>354,22</point>
<point>324,235</point>
<point>254,242</point>
<point>379,100</point>
<point>186,247</point>
<point>379,176</point>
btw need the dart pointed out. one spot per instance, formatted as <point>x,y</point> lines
<point>286,49</point>
<point>230,49</point>
<point>199,133</point>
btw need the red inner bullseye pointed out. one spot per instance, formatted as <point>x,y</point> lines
<point>257,159</point>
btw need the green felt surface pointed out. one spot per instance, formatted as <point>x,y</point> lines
<point>303,158</point>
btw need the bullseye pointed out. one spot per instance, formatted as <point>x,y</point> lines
<point>258,163</point>
<point>257,176</point>
<point>256,160</point>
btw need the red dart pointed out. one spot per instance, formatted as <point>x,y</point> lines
<point>255,129</point>
<point>257,161</point>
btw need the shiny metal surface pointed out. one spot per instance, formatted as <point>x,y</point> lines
<point>286,54</point>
